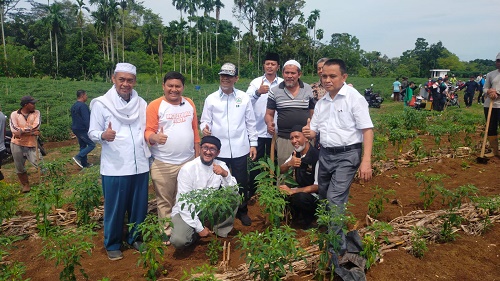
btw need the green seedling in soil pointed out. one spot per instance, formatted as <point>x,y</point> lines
<point>87,193</point>
<point>66,247</point>
<point>12,271</point>
<point>490,204</point>
<point>9,196</point>
<point>270,196</point>
<point>418,242</point>
<point>371,244</point>
<point>54,179</point>
<point>430,184</point>
<point>417,145</point>
<point>380,144</point>
<point>447,232</point>
<point>270,254</point>
<point>395,176</point>
<point>465,165</point>
<point>152,252</point>
<point>376,203</point>
<point>201,273</point>
<point>454,198</point>
<point>214,249</point>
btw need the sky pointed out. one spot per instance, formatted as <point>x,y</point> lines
<point>469,29</point>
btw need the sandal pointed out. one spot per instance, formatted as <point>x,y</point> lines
<point>166,240</point>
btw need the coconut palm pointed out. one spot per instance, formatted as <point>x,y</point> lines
<point>79,17</point>
<point>57,23</point>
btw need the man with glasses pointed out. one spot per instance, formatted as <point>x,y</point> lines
<point>229,116</point>
<point>202,172</point>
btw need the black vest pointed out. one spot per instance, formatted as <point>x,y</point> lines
<point>304,175</point>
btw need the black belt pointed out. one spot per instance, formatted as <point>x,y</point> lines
<point>339,149</point>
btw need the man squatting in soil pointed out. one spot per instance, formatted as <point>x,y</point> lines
<point>343,119</point>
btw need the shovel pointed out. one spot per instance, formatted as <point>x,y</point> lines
<point>482,159</point>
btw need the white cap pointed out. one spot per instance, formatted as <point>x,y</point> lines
<point>125,67</point>
<point>498,56</point>
<point>292,62</point>
<point>228,69</point>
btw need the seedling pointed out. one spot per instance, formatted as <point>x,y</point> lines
<point>376,203</point>
<point>418,242</point>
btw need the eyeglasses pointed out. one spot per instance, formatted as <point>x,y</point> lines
<point>211,149</point>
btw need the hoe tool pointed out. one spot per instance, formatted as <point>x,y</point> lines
<point>483,159</point>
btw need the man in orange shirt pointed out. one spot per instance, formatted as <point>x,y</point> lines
<point>172,132</point>
<point>25,127</point>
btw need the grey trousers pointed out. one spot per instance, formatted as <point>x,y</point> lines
<point>184,235</point>
<point>335,175</point>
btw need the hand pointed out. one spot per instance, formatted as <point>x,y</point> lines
<point>492,93</point>
<point>286,189</point>
<point>109,134</point>
<point>271,128</point>
<point>160,138</point>
<point>206,131</point>
<point>253,153</point>
<point>263,89</point>
<point>306,130</point>
<point>205,232</point>
<point>295,161</point>
<point>218,170</point>
<point>365,171</point>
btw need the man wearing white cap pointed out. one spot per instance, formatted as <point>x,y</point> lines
<point>491,92</point>
<point>117,122</point>
<point>293,100</point>
<point>228,115</point>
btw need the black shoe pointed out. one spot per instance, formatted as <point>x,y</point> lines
<point>139,246</point>
<point>115,255</point>
<point>1,176</point>
<point>245,219</point>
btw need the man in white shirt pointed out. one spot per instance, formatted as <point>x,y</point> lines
<point>172,132</point>
<point>200,173</point>
<point>228,115</point>
<point>342,117</point>
<point>258,92</point>
<point>117,122</point>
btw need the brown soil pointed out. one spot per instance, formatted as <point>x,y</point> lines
<point>467,258</point>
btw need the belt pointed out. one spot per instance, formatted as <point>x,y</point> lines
<point>339,149</point>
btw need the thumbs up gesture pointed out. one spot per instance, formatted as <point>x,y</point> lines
<point>263,89</point>
<point>160,137</point>
<point>218,170</point>
<point>295,161</point>
<point>109,134</point>
<point>306,130</point>
<point>206,131</point>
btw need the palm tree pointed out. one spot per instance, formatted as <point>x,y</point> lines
<point>79,17</point>
<point>57,23</point>
<point>218,6</point>
<point>311,24</point>
<point>123,4</point>
<point>105,17</point>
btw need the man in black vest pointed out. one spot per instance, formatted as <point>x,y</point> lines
<point>303,199</point>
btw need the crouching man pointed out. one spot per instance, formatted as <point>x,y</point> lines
<point>200,173</point>
<point>303,199</point>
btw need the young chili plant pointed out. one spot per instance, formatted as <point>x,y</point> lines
<point>9,195</point>
<point>201,273</point>
<point>87,193</point>
<point>371,244</point>
<point>66,247</point>
<point>152,252</point>
<point>376,203</point>
<point>430,184</point>
<point>270,196</point>
<point>418,242</point>
<point>270,254</point>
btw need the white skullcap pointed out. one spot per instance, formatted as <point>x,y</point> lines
<point>125,67</point>
<point>498,56</point>
<point>292,62</point>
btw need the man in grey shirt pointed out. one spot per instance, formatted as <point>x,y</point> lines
<point>3,120</point>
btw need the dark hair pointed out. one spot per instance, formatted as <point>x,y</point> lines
<point>174,75</point>
<point>80,93</point>
<point>339,62</point>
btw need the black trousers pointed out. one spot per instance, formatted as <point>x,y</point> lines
<point>239,170</point>
<point>303,205</point>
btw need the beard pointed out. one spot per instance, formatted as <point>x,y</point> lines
<point>300,148</point>
<point>208,163</point>
<point>290,84</point>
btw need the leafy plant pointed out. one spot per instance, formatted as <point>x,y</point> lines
<point>66,247</point>
<point>201,273</point>
<point>11,271</point>
<point>454,198</point>
<point>269,254</point>
<point>152,251</point>
<point>418,242</point>
<point>87,194</point>
<point>447,232</point>
<point>9,195</point>
<point>371,246</point>
<point>213,251</point>
<point>270,196</point>
<point>54,179</point>
<point>490,204</point>
<point>211,204</point>
<point>329,217</point>
<point>376,203</point>
<point>380,144</point>
<point>430,183</point>
<point>417,145</point>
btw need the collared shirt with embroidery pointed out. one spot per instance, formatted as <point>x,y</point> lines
<point>318,91</point>
<point>231,119</point>
<point>259,103</point>
<point>340,120</point>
